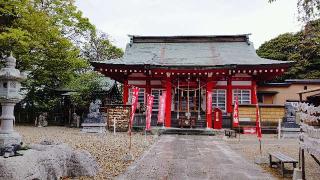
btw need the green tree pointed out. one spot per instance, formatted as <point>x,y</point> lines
<point>99,48</point>
<point>47,38</point>
<point>302,47</point>
<point>84,87</point>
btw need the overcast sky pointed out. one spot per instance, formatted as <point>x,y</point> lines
<point>263,20</point>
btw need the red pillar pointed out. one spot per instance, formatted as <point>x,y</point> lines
<point>208,104</point>
<point>125,91</point>
<point>253,92</point>
<point>229,95</point>
<point>148,87</point>
<point>168,101</point>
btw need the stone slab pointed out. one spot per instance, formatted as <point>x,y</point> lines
<point>94,127</point>
<point>94,124</point>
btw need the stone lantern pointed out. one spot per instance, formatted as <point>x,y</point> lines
<point>10,85</point>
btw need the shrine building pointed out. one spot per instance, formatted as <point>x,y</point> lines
<point>188,67</point>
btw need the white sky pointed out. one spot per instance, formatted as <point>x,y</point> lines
<point>118,18</point>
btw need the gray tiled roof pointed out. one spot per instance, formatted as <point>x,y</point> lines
<point>192,54</point>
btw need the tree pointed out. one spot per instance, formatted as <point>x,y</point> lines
<point>99,48</point>
<point>84,86</point>
<point>308,10</point>
<point>302,47</point>
<point>46,37</point>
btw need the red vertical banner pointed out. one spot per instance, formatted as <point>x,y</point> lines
<point>168,102</point>
<point>236,113</point>
<point>135,93</point>
<point>162,105</point>
<point>149,111</point>
<point>258,123</point>
<point>209,102</point>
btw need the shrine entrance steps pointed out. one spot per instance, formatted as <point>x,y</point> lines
<point>188,131</point>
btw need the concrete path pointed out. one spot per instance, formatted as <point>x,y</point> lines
<point>192,157</point>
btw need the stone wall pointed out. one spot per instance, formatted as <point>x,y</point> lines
<point>120,115</point>
<point>270,114</point>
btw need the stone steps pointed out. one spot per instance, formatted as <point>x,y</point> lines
<point>191,131</point>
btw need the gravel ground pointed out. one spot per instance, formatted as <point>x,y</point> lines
<point>109,150</point>
<point>249,147</point>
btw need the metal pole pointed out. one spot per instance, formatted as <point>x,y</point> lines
<point>299,157</point>
<point>114,127</point>
<point>260,147</point>
<point>279,129</point>
<point>303,165</point>
<point>239,131</point>
<point>130,138</point>
<point>145,135</point>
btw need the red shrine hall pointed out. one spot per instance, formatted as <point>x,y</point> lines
<point>187,68</point>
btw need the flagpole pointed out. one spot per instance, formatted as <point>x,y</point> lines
<point>239,131</point>
<point>260,146</point>
<point>260,127</point>
<point>258,120</point>
<point>130,138</point>
<point>238,114</point>
<point>133,108</point>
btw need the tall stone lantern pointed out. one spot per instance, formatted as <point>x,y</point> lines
<point>10,85</point>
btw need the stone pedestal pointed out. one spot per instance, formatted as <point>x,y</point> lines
<point>94,127</point>
<point>9,138</point>
<point>7,135</point>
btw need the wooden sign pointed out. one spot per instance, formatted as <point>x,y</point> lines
<point>249,130</point>
<point>120,117</point>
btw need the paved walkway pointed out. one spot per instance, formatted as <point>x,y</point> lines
<point>192,157</point>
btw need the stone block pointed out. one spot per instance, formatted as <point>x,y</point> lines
<point>6,139</point>
<point>297,174</point>
<point>94,127</point>
<point>48,162</point>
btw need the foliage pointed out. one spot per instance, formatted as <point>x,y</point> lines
<point>99,48</point>
<point>47,39</point>
<point>84,87</point>
<point>308,10</point>
<point>302,47</point>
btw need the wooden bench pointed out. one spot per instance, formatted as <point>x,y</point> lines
<point>282,160</point>
<point>230,133</point>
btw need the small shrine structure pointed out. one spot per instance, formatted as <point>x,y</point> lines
<point>187,68</point>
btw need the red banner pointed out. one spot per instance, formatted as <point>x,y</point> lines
<point>209,102</point>
<point>162,105</point>
<point>236,113</point>
<point>149,111</point>
<point>258,124</point>
<point>135,93</point>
